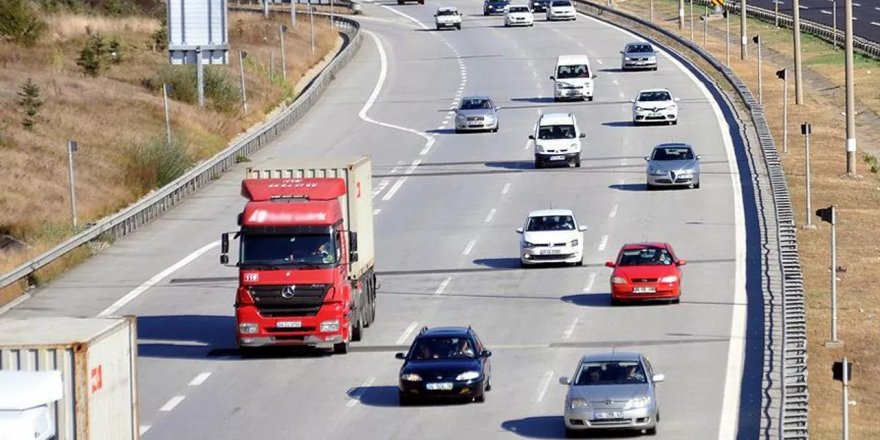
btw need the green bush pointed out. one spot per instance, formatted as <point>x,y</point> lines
<point>30,100</point>
<point>155,162</point>
<point>221,88</point>
<point>160,37</point>
<point>93,56</point>
<point>873,163</point>
<point>20,22</point>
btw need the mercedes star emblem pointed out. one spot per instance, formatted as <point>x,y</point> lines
<point>288,291</point>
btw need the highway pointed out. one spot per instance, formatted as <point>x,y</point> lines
<point>446,209</point>
<point>866,14</point>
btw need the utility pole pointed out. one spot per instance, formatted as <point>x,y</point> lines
<point>692,20</point>
<point>834,24</point>
<point>271,66</point>
<point>806,129</point>
<point>842,371</point>
<point>798,78</point>
<point>705,25</point>
<point>241,55</point>
<point>200,76</point>
<point>727,40</point>
<point>71,148</point>
<point>744,46</point>
<point>782,74</point>
<point>652,11</point>
<point>332,17</point>
<point>850,94</point>
<point>828,215</point>
<point>266,9</point>
<point>292,13</point>
<point>776,12</point>
<point>312,25</point>
<point>167,113</point>
<point>281,30</point>
<point>681,15</point>
<point>757,40</point>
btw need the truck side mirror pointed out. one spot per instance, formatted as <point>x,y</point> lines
<point>240,218</point>
<point>352,241</point>
<point>353,257</point>
<point>224,259</point>
<point>224,243</point>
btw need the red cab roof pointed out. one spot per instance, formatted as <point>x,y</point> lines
<point>292,213</point>
<point>260,190</point>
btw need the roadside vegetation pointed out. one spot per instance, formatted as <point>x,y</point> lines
<point>857,201</point>
<point>93,72</point>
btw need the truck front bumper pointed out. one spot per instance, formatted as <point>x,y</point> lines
<point>255,330</point>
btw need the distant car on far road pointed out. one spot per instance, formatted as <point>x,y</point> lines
<point>561,10</point>
<point>495,6</point>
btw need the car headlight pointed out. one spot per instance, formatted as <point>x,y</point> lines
<point>618,280</point>
<point>410,377</point>
<point>638,109</point>
<point>669,279</point>
<point>578,403</point>
<point>574,146</point>
<point>638,402</point>
<point>330,326</point>
<point>461,118</point>
<point>490,118</point>
<point>672,107</point>
<point>528,245</point>
<point>468,375</point>
<point>652,58</point>
<point>627,58</point>
<point>656,172</point>
<point>685,172</point>
<point>248,328</point>
<point>560,85</point>
<point>540,148</point>
<point>574,242</point>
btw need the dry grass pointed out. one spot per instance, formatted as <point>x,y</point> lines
<point>109,113</point>
<point>857,200</point>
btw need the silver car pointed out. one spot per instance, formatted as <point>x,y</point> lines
<point>612,391</point>
<point>673,165</point>
<point>638,55</point>
<point>476,113</point>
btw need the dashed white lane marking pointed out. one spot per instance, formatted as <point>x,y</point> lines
<point>570,330</point>
<point>616,82</point>
<point>200,379</point>
<point>144,428</point>
<point>875,23</point>
<point>590,281</point>
<point>377,211</point>
<point>130,296</point>
<point>598,60</point>
<point>613,212</point>
<point>505,188</point>
<point>400,181</point>
<point>442,286</point>
<point>409,329</point>
<point>171,403</point>
<point>527,145</point>
<point>381,186</point>
<point>356,396</point>
<point>621,97</point>
<point>603,242</point>
<point>469,247</point>
<point>490,216</point>
<point>542,387</point>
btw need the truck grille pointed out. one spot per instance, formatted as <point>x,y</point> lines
<point>279,301</point>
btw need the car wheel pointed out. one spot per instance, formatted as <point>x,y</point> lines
<point>248,352</point>
<point>458,26</point>
<point>438,27</point>
<point>571,433</point>
<point>651,431</point>
<point>590,99</point>
<point>480,398</point>
<point>399,2</point>
<point>497,126</point>
<point>488,386</point>
<point>654,69</point>
<point>675,301</point>
<point>341,348</point>
<point>577,162</point>
<point>616,302</point>
<point>636,123</point>
<point>580,263</point>
<point>697,186</point>
<point>403,399</point>
<point>650,187</point>
<point>538,163</point>
<point>485,13</point>
<point>675,122</point>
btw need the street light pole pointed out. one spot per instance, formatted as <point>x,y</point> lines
<point>757,40</point>
<point>834,24</point>
<point>705,25</point>
<point>312,25</point>
<point>292,13</point>
<point>850,93</point>
<point>71,148</point>
<point>652,10</point>
<point>798,78</point>
<point>167,113</point>
<point>241,55</point>
<point>806,130</point>
<point>783,75</point>
<point>744,46</point>
<point>727,40</point>
<point>681,15</point>
<point>281,30</point>
<point>692,20</point>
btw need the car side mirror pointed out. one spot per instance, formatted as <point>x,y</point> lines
<point>632,101</point>
<point>658,378</point>
<point>621,52</point>
<point>593,76</point>
<point>564,381</point>
<point>699,157</point>
<point>582,228</point>
<point>519,230</point>
<point>552,77</point>
<point>647,159</point>
<point>485,353</point>
<point>583,135</point>
<point>609,264</point>
<point>675,99</point>
<point>400,356</point>
<point>680,263</point>
<point>532,137</point>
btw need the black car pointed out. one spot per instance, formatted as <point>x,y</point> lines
<point>494,6</point>
<point>445,363</point>
<point>540,5</point>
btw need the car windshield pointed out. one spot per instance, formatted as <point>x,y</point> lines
<point>658,95</point>
<point>291,250</point>
<point>639,48</point>
<point>551,223</point>
<point>673,153</point>
<point>476,104</point>
<point>610,373</point>
<point>572,70</point>
<point>428,348</point>
<point>447,12</point>
<point>562,3</point>
<point>556,132</point>
<point>518,9</point>
<point>647,256</point>
<point>498,2</point>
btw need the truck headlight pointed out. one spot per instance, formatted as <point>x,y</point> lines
<point>410,377</point>
<point>669,279</point>
<point>330,326</point>
<point>638,402</point>
<point>248,328</point>
<point>468,375</point>
<point>618,280</point>
<point>578,403</point>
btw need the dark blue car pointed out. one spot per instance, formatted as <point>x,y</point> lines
<point>448,363</point>
<point>494,6</point>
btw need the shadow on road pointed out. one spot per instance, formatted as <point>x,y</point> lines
<point>629,187</point>
<point>386,396</point>
<point>588,299</point>
<point>499,263</point>
<point>536,427</point>
<point>618,124</point>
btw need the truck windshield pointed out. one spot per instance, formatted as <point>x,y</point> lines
<point>288,250</point>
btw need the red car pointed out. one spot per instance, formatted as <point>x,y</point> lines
<point>646,271</point>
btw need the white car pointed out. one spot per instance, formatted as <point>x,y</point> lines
<point>551,236</point>
<point>654,105</point>
<point>519,15</point>
<point>557,140</point>
<point>447,16</point>
<point>561,10</point>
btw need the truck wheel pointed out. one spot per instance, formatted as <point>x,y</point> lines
<point>340,348</point>
<point>357,331</point>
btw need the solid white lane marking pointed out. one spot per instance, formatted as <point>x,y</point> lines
<point>377,211</point>
<point>590,280</point>
<point>200,379</point>
<point>442,286</point>
<point>424,151</point>
<point>825,12</point>
<point>505,188</point>
<point>171,403</point>
<point>490,216</point>
<point>469,247</point>
<point>542,387</point>
<point>144,428</point>
<point>356,396</point>
<point>603,242</point>
<point>130,296</point>
<point>570,330</point>
<point>410,18</point>
<point>405,336</point>
<point>613,212</point>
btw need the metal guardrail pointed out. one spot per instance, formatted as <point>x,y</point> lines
<point>781,267</point>
<point>163,199</point>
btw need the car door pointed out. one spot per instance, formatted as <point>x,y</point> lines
<point>484,361</point>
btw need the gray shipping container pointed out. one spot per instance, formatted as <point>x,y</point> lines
<point>357,206</point>
<point>97,360</point>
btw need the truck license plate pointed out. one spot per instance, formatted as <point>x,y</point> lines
<point>441,386</point>
<point>644,290</point>
<point>289,324</point>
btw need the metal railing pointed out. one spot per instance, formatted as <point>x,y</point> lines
<point>785,375</point>
<point>163,199</point>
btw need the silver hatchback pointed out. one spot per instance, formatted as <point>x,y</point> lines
<point>673,165</point>
<point>612,391</point>
<point>476,113</point>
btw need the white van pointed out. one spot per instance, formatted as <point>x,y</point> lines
<point>557,140</point>
<point>573,78</point>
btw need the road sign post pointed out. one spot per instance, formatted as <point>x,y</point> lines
<point>806,129</point>
<point>744,45</point>
<point>727,40</point>
<point>842,371</point>
<point>850,93</point>
<point>167,113</point>
<point>757,40</point>
<point>796,35</point>
<point>781,74</point>
<point>692,20</point>
<point>829,215</point>
<point>241,55</point>
<point>197,34</point>
<point>281,31</point>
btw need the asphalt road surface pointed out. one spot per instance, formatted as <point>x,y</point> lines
<point>866,14</point>
<point>447,250</point>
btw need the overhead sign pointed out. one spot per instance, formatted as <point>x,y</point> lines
<point>197,27</point>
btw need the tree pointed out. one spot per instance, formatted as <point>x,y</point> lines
<point>92,57</point>
<point>30,101</point>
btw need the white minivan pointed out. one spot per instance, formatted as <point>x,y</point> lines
<point>573,78</point>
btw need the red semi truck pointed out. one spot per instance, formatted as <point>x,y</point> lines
<point>306,262</point>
